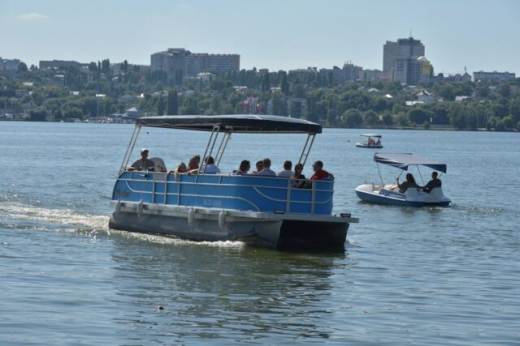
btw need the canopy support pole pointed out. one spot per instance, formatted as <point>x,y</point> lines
<point>223,145</point>
<point>307,148</point>
<point>380,176</point>
<point>130,148</point>
<point>211,143</point>
<point>418,170</point>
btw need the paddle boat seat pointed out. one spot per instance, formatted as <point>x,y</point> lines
<point>159,164</point>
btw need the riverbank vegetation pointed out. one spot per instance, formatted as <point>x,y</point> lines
<point>102,90</point>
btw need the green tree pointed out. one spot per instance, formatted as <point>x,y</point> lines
<point>37,97</point>
<point>279,104</point>
<point>457,114</point>
<point>105,65</point>
<point>173,102</point>
<point>266,84</point>
<point>352,118</point>
<point>22,67</point>
<point>284,85</point>
<point>402,119</point>
<point>371,118</point>
<point>38,114</point>
<point>388,120</point>
<point>418,115</point>
<point>161,106</point>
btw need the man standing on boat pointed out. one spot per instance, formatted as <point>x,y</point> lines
<point>143,164</point>
<point>432,184</point>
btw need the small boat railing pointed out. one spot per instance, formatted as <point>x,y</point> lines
<point>162,178</point>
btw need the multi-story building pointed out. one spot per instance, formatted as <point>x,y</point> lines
<point>179,63</point>
<point>348,73</point>
<point>204,62</point>
<point>461,77</point>
<point>9,64</point>
<point>372,75</point>
<point>48,64</point>
<point>171,61</point>
<point>412,70</point>
<point>489,76</point>
<point>401,60</point>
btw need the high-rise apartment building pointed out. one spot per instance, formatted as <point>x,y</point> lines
<point>205,62</point>
<point>171,61</point>
<point>179,63</point>
<point>404,61</point>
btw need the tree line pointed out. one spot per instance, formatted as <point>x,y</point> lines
<point>103,89</point>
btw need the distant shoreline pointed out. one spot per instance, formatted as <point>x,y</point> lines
<point>418,128</point>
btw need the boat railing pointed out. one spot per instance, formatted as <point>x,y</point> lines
<point>227,191</point>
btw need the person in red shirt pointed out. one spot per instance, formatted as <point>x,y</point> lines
<point>319,172</point>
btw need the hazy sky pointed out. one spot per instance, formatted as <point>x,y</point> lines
<point>274,34</point>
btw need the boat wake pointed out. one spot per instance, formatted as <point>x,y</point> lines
<point>17,213</point>
<point>66,217</point>
<point>171,240</point>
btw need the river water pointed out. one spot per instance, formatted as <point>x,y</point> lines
<point>431,276</point>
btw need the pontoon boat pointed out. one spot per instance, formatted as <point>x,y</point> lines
<point>217,207</point>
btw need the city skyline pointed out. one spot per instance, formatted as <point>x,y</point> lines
<point>478,35</point>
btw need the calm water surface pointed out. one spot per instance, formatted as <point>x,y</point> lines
<point>406,277</point>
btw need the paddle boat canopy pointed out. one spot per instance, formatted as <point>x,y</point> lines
<point>412,197</point>
<point>371,141</point>
<point>256,209</point>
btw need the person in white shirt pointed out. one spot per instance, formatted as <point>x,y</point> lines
<point>142,164</point>
<point>286,173</point>
<point>210,167</point>
<point>267,168</point>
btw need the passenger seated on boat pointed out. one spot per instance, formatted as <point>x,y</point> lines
<point>435,182</point>
<point>410,182</point>
<point>378,142</point>
<point>210,167</point>
<point>286,173</point>
<point>259,167</point>
<point>193,165</point>
<point>244,168</point>
<point>320,173</point>
<point>181,169</point>
<point>267,168</point>
<point>142,164</point>
<point>298,179</point>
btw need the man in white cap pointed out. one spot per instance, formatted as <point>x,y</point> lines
<point>143,164</point>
